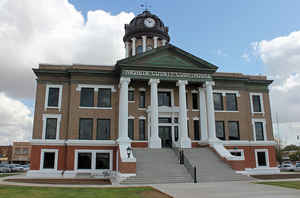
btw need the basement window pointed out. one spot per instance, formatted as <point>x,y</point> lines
<point>238,153</point>
<point>84,161</point>
<point>49,159</point>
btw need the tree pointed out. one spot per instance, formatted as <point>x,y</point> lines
<point>295,156</point>
<point>291,148</point>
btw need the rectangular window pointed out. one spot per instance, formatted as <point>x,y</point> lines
<point>196,130</point>
<point>51,126</point>
<point>164,99</point>
<point>164,120</point>
<point>256,103</point>
<point>104,97</point>
<point>87,97</point>
<point>84,161</point>
<point>195,101</point>
<point>234,133</point>
<point>259,131</point>
<point>49,160</point>
<point>238,153</point>
<point>218,102</point>
<point>131,96</point>
<point>142,99</point>
<point>231,102</point>
<point>261,158</point>
<point>220,132</point>
<point>142,128</point>
<point>85,129</point>
<point>102,161</point>
<point>53,97</point>
<point>176,133</point>
<point>131,128</point>
<point>103,129</point>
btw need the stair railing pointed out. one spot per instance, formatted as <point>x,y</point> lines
<point>192,169</point>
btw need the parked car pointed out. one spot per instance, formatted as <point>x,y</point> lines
<point>287,162</point>
<point>26,167</point>
<point>12,167</point>
<point>297,167</point>
<point>287,167</point>
<point>4,169</point>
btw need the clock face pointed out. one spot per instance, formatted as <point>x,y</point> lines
<point>149,22</point>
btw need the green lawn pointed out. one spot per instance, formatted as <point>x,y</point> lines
<point>56,192</point>
<point>286,184</point>
<point>6,175</point>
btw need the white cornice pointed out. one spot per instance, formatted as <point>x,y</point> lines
<point>74,142</point>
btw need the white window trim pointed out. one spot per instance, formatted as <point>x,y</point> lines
<point>261,103</point>
<point>130,117</point>
<point>267,157</point>
<point>43,151</point>
<point>142,89</point>
<point>103,108</point>
<point>142,118</point>
<point>264,129</point>
<point>242,157</point>
<point>93,167</point>
<point>48,86</point>
<point>96,87</point>
<point>223,92</point>
<point>168,90</point>
<point>195,118</point>
<point>58,117</point>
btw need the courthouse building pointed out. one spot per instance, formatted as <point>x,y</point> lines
<point>92,118</point>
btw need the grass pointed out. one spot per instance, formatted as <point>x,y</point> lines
<point>286,184</point>
<point>57,192</point>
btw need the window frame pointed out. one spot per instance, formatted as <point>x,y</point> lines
<point>254,129</point>
<point>261,103</point>
<point>222,101</point>
<point>131,118</point>
<point>198,102</point>
<point>45,117</point>
<point>106,119</point>
<point>80,128</point>
<point>93,105</point>
<point>266,151</point>
<point>238,128</point>
<point>242,157</point>
<point>43,151</point>
<point>131,90</point>
<point>60,87</point>
<point>142,119</point>
<point>98,99</point>
<point>199,135</point>
<point>93,161</point>
<point>223,129</point>
<point>140,97</point>
<point>236,102</point>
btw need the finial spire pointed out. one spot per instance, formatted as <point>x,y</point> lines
<point>146,6</point>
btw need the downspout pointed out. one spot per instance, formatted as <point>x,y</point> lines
<point>67,131</point>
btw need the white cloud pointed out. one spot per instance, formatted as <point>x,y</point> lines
<point>53,31</point>
<point>15,120</point>
<point>281,57</point>
<point>220,52</point>
<point>48,31</point>
<point>246,57</point>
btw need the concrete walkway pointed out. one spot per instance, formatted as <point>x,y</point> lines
<point>240,189</point>
<point>237,189</point>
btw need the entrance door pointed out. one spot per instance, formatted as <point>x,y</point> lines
<point>165,135</point>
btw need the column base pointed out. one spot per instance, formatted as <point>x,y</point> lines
<point>155,143</point>
<point>185,143</point>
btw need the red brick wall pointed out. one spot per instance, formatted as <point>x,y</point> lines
<point>69,164</point>
<point>139,144</point>
<point>250,161</point>
<point>126,167</point>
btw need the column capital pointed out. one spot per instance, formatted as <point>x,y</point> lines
<point>124,80</point>
<point>144,37</point>
<point>155,37</point>
<point>181,83</point>
<point>133,39</point>
<point>153,81</point>
<point>209,83</point>
<point>164,42</point>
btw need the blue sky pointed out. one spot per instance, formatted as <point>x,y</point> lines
<point>217,31</point>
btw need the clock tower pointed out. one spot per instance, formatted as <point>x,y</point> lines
<point>145,32</point>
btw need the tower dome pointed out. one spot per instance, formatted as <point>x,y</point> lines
<point>145,32</point>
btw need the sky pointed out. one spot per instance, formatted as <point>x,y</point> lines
<point>251,37</point>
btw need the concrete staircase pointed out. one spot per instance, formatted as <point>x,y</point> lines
<point>210,168</point>
<point>157,166</point>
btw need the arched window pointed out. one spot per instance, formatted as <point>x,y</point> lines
<point>139,49</point>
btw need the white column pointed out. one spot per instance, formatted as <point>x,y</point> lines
<point>164,42</point>
<point>133,46</point>
<point>211,112</point>
<point>203,114</point>
<point>155,141</point>
<point>185,141</point>
<point>155,38</point>
<point>144,43</point>
<point>126,49</point>
<point>123,111</point>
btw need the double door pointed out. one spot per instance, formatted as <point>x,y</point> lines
<point>165,134</point>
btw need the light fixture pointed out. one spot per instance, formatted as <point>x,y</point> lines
<point>128,151</point>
